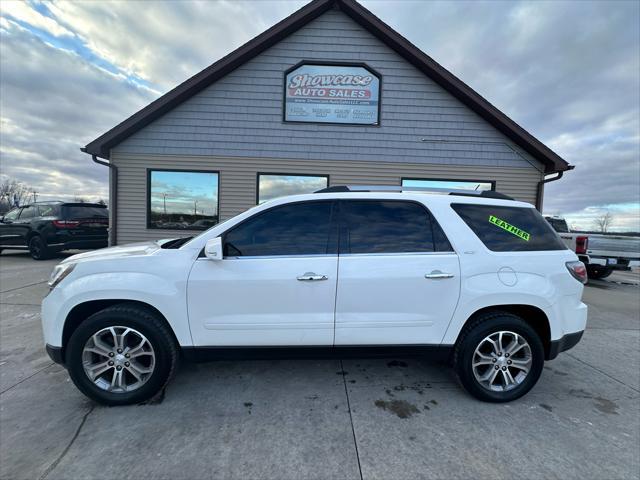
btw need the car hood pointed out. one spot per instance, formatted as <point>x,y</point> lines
<point>128,250</point>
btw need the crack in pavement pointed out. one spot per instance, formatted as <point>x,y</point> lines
<point>353,431</point>
<point>20,304</point>
<point>27,378</point>
<point>24,286</point>
<point>602,372</point>
<point>57,461</point>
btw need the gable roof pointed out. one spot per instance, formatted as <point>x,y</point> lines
<point>102,145</point>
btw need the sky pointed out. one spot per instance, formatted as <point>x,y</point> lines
<point>568,72</point>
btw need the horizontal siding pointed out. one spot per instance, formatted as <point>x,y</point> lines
<point>238,181</point>
<point>240,115</point>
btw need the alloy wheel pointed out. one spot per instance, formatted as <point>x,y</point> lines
<point>118,359</point>
<point>502,361</point>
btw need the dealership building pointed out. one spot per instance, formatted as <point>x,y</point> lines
<point>329,96</point>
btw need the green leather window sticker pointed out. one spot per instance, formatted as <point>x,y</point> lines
<point>509,228</point>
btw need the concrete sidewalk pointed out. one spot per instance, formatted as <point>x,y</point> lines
<point>392,418</point>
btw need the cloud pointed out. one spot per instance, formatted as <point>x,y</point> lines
<point>53,102</point>
<point>22,12</point>
<point>566,71</point>
<point>164,43</point>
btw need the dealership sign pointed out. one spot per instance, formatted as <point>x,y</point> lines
<point>332,94</point>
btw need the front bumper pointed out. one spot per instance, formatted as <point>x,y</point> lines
<point>55,353</point>
<point>568,341</point>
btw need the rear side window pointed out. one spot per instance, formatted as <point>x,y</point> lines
<point>294,229</point>
<point>78,211</point>
<point>372,226</point>
<point>509,229</point>
<point>48,210</point>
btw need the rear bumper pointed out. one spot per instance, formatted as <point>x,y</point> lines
<point>55,353</point>
<point>568,341</point>
<point>612,263</point>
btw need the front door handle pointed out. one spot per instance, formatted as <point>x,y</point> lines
<point>311,277</point>
<point>438,274</point>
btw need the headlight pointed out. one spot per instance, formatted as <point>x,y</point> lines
<point>59,272</point>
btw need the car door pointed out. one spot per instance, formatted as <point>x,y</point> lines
<point>9,235</point>
<point>22,226</point>
<point>398,277</point>
<point>276,283</point>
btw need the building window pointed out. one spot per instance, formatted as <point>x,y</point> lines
<point>479,185</point>
<point>274,185</point>
<point>182,200</point>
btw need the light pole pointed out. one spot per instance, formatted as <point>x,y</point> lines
<point>164,202</point>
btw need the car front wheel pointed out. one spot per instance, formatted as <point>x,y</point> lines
<point>499,357</point>
<point>122,355</point>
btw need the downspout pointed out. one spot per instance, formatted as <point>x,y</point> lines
<point>541,183</point>
<point>113,197</point>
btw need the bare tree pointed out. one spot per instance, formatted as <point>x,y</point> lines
<point>604,221</point>
<point>13,193</point>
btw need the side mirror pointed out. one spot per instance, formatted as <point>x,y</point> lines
<point>213,249</point>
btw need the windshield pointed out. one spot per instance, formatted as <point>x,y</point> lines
<point>558,224</point>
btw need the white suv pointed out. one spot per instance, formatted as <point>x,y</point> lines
<point>474,278</point>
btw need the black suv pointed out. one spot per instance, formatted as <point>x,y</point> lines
<point>45,228</point>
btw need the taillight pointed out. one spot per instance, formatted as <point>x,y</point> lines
<point>66,223</point>
<point>582,243</point>
<point>577,271</point>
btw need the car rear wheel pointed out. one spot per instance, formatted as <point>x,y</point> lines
<point>598,272</point>
<point>122,355</point>
<point>498,357</point>
<point>38,248</point>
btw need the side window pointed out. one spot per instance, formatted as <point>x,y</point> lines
<point>388,227</point>
<point>509,229</point>
<point>12,215</point>
<point>28,213</point>
<point>294,229</point>
<point>47,210</point>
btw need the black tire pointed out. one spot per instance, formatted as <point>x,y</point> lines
<point>598,272</point>
<point>144,321</point>
<point>38,248</point>
<point>471,337</point>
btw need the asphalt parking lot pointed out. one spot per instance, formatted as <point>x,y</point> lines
<point>386,418</point>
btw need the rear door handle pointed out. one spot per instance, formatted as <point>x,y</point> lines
<point>438,274</point>
<point>311,277</point>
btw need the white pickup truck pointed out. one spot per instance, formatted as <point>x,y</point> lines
<point>602,254</point>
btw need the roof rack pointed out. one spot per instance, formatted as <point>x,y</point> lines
<point>398,188</point>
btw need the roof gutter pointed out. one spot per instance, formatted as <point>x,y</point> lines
<point>113,197</point>
<point>541,183</point>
